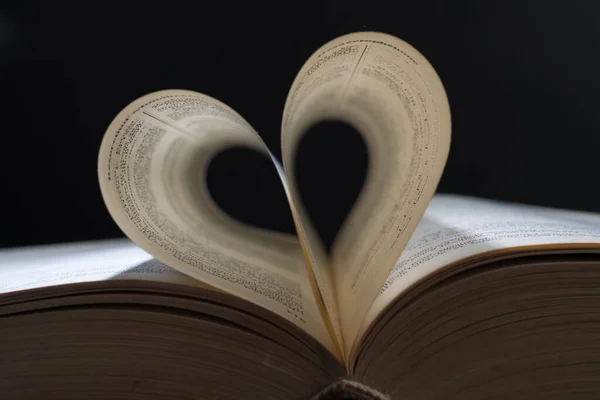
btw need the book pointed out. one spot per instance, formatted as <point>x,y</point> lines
<point>421,296</point>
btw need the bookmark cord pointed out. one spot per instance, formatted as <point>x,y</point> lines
<point>346,389</point>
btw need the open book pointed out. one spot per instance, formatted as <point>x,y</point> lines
<point>421,296</point>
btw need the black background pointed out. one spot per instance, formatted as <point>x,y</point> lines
<point>522,78</point>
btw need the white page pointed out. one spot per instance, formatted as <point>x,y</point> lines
<point>459,227</point>
<point>61,264</point>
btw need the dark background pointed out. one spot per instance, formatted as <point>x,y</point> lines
<point>522,78</point>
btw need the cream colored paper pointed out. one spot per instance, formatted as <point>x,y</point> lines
<point>154,157</point>
<point>389,92</point>
<point>152,169</point>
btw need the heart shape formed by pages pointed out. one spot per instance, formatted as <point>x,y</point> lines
<point>159,147</point>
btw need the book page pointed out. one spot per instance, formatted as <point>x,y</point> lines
<point>390,93</point>
<point>64,264</point>
<point>152,172</point>
<point>456,228</point>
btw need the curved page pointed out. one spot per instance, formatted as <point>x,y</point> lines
<point>389,92</point>
<point>152,172</point>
